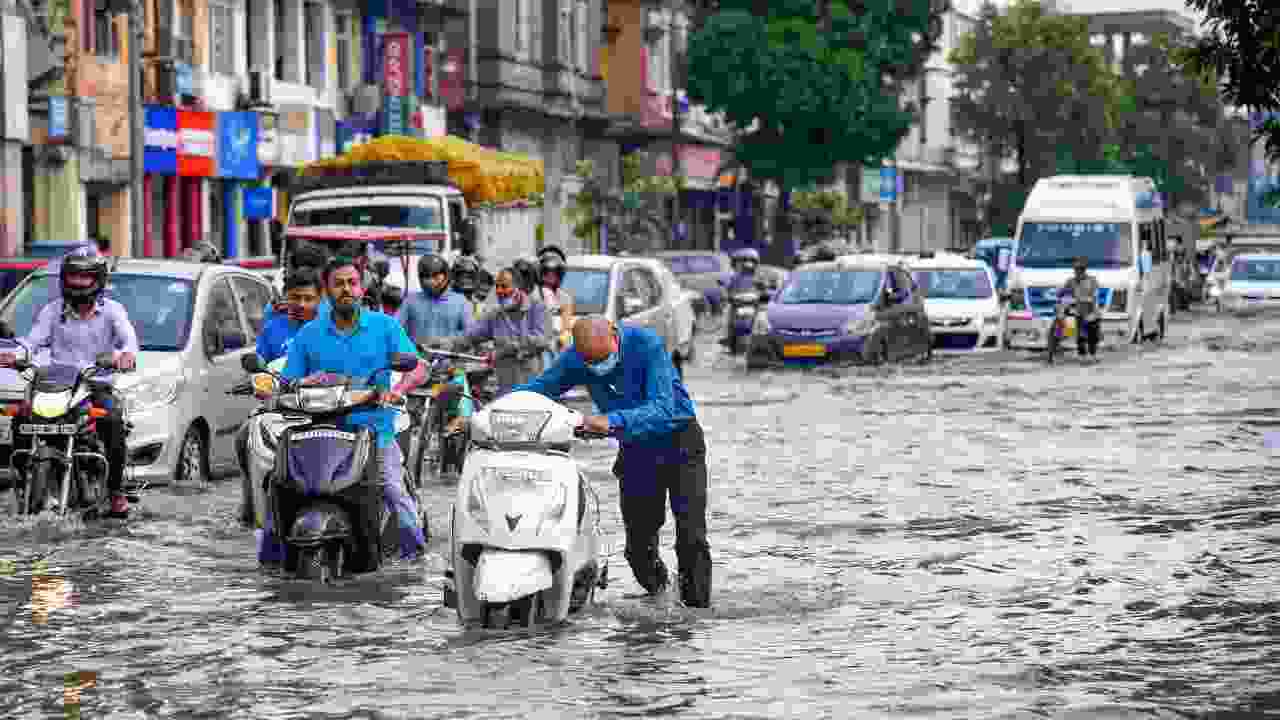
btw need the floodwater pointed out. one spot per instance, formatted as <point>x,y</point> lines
<point>983,537</point>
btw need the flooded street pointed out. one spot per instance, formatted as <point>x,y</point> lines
<point>981,537</point>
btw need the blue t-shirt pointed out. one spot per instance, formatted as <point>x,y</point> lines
<point>276,336</point>
<point>320,347</point>
<point>426,316</point>
<point>642,396</point>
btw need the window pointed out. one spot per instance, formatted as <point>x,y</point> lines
<point>528,30</point>
<point>223,332</point>
<point>582,38</point>
<point>105,42</point>
<point>222,51</point>
<point>659,47</point>
<point>638,283</point>
<point>313,34</point>
<point>565,33</point>
<point>254,297</point>
<point>343,38</point>
<point>277,10</point>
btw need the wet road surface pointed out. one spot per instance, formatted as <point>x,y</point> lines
<point>982,537</point>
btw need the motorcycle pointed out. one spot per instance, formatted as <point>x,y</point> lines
<point>426,454</point>
<point>66,468</point>
<point>525,545</point>
<point>1065,326</point>
<point>743,306</point>
<point>325,490</point>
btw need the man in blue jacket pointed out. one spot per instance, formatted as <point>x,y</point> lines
<point>629,375</point>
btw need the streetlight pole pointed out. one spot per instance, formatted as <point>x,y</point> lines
<point>136,149</point>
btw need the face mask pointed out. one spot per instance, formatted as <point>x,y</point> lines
<point>605,366</point>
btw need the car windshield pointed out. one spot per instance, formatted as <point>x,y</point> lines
<point>831,287</point>
<point>1256,269</point>
<point>422,214</point>
<point>589,288</point>
<point>1056,245</point>
<point>693,264</point>
<point>159,307</point>
<point>958,284</point>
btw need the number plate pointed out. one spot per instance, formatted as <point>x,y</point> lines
<point>745,311</point>
<point>6,430</point>
<point>61,429</point>
<point>804,351</point>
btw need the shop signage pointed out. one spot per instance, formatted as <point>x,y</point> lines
<point>57,119</point>
<point>238,145</point>
<point>160,140</point>
<point>257,202</point>
<point>695,162</point>
<point>196,143</point>
<point>396,49</point>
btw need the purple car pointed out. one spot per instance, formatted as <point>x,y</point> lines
<point>861,308</point>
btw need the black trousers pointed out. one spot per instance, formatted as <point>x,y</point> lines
<point>111,431</point>
<point>1087,337</point>
<point>649,479</point>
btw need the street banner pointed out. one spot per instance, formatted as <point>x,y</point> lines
<point>160,140</point>
<point>238,145</point>
<point>197,143</point>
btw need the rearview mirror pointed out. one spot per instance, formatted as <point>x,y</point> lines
<point>404,362</point>
<point>105,360</point>
<point>631,305</point>
<point>251,363</point>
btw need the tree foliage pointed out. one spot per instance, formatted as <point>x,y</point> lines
<point>812,83</point>
<point>1241,46</point>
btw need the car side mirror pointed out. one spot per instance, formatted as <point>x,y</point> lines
<point>251,363</point>
<point>631,305</point>
<point>404,362</point>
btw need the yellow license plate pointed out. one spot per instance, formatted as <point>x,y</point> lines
<point>437,388</point>
<point>1069,327</point>
<point>804,351</point>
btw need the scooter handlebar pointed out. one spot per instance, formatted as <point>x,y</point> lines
<point>584,434</point>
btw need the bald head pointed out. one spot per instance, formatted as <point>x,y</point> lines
<point>594,338</point>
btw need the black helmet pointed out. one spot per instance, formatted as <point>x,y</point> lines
<point>392,296</point>
<point>465,270</point>
<point>83,263</point>
<point>551,262</point>
<point>429,265</point>
<point>526,274</point>
<point>552,250</point>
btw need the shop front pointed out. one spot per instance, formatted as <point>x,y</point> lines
<point>179,155</point>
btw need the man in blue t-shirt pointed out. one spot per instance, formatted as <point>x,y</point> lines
<point>356,341</point>
<point>629,374</point>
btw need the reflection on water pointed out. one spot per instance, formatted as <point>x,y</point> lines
<point>980,538</point>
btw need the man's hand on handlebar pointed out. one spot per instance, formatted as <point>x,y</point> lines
<point>126,361</point>
<point>595,424</point>
<point>392,397</point>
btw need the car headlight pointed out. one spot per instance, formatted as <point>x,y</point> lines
<point>151,393</point>
<point>860,326</point>
<point>761,325</point>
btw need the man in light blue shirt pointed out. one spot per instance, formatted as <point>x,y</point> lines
<point>436,312</point>
<point>356,341</point>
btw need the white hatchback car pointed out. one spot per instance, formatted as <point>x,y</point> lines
<point>964,308</point>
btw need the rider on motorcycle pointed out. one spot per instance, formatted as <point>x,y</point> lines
<point>558,301</point>
<point>1083,288</point>
<point>744,263</point>
<point>465,275</point>
<point>517,328</point>
<point>436,312</point>
<point>74,331</point>
<point>353,341</point>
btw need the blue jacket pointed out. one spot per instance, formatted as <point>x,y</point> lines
<point>643,397</point>
<point>276,335</point>
<point>425,316</point>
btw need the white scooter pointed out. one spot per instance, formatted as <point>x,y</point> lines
<point>525,546</point>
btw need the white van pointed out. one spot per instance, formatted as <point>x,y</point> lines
<point>1117,223</point>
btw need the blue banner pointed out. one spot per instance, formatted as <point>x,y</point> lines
<point>257,202</point>
<point>160,140</point>
<point>57,118</point>
<point>393,115</point>
<point>238,145</point>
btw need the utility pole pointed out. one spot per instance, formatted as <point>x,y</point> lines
<point>136,149</point>
<point>676,59</point>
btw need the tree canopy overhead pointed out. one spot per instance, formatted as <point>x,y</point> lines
<point>811,83</point>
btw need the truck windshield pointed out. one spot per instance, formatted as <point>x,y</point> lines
<point>422,213</point>
<point>1056,245</point>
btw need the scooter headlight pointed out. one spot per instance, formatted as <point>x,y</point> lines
<point>320,399</point>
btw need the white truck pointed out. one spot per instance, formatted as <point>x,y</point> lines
<point>412,199</point>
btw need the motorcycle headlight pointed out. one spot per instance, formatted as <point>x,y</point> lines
<point>320,399</point>
<point>151,393</point>
<point>507,426</point>
<point>761,324</point>
<point>860,326</point>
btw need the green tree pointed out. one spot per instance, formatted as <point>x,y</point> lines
<point>1241,46</point>
<point>1029,85</point>
<point>811,83</point>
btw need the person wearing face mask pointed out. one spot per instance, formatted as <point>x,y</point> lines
<point>517,327</point>
<point>437,313</point>
<point>662,452</point>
